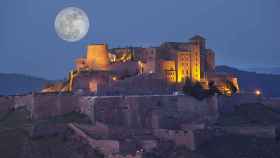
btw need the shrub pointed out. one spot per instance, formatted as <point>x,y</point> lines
<point>194,89</point>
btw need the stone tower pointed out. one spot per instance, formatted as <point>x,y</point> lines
<point>195,63</point>
<point>198,45</point>
<point>98,57</point>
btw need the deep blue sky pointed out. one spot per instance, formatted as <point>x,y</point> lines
<point>244,33</point>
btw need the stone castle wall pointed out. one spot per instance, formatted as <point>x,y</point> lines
<point>256,131</point>
<point>53,104</point>
<point>228,104</point>
<point>149,111</point>
<point>138,111</point>
<point>140,85</point>
<point>188,138</point>
<point>206,109</point>
<point>6,104</point>
<point>23,101</point>
<point>106,147</point>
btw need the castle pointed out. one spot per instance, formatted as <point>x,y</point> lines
<point>171,62</point>
<point>127,98</point>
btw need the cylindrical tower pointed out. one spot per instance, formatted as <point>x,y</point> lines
<point>98,57</point>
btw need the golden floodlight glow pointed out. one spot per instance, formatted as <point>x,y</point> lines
<point>114,78</point>
<point>258,92</point>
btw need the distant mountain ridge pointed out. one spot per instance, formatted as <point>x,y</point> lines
<point>265,70</point>
<point>11,84</point>
<point>250,81</point>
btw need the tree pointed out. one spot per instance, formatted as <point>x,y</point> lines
<point>231,87</point>
<point>187,86</point>
<point>213,89</point>
<point>194,89</point>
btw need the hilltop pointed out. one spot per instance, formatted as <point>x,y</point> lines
<point>11,84</point>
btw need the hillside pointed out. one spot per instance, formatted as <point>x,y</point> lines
<point>250,81</point>
<point>265,70</point>
<point>11,84</point>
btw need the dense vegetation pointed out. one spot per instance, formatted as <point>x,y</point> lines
<point>196,89</point>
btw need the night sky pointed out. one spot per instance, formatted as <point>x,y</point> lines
<point>243,33</point>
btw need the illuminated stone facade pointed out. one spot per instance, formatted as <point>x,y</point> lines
<point>221,80</point>
<point>183,66</point>
<point>191,59</point>
<point>97,58</point>
<point>174,62</point>
<point>168,68</point>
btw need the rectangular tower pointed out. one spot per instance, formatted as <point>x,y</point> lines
<point>183,66</point>
<point>98,57</point>
<point>195,63</point>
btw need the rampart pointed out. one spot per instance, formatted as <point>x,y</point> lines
<point>228,104</point>
<point>256,131</point>
<point>53,104</point>
<point>188,138</point>
<point>6,104</point>
<point>135,111</point>
<point>149,111</point>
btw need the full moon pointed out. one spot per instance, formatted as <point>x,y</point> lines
<point>72,24</point>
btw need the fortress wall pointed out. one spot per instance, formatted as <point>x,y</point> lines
<point>143,111</point>
<point>86,106</point>
<point>261,131</point>
<point>227,104</point>
<point>185,138</point>
<point>107,147</point>
<point>125,156</point>
<point>148,111</point>
<point>90,82</point>
<point>179,137</point>
<point>188,138</point>
<point>23,101</point>
<point>137,86</point>
<point>6,104</point>
<point>206,109</point>
<point>127,68</point>
<point>99,130</point>
<point>53,104</point>
<point>68,103</point>
<point>44,106</point>
<point>149,145</point>
<point>130,111</point>
<point>201,136</point>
